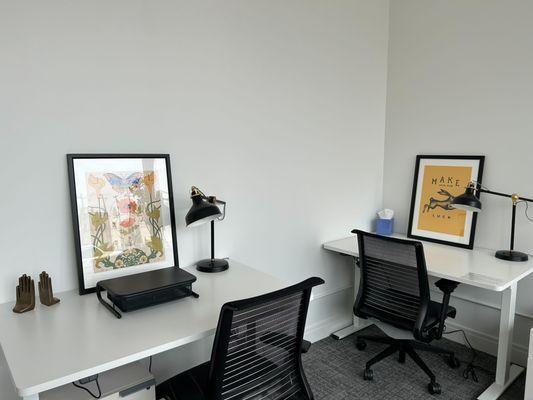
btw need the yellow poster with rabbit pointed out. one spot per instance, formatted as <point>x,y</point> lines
<point>440,185</point>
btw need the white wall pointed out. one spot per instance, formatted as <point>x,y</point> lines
<point>277,107</point>
<point>460,82</point>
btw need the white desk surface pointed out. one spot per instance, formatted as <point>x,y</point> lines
<point>476,267</point>
<point>52,346</point>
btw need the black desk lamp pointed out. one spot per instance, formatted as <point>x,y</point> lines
<point>469,201</point>
<point>205,209</point>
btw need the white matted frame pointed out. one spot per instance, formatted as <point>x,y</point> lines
<point>438,206</point>
<point>123,215</point>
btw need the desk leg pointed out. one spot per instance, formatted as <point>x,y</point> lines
<point>357,323</point>
<point>506,373</point>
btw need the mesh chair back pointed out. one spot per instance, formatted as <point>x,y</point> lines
<point>394,286</point>
<point>257,348</point>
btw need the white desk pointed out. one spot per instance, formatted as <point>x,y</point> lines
<point>478,268</point>
<point>52,346</point>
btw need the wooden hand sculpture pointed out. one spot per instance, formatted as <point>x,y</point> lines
<point>25,295</point>
<point>46,293</point>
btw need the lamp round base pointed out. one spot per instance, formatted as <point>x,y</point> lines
<point>212,265</point>
<point>511,255</point>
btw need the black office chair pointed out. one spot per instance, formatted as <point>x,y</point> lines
<point>394,289</point>
<point>256,353</point>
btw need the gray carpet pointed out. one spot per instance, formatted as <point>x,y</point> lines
<point>334,371</point>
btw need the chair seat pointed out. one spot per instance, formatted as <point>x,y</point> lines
<point>433,314</point>
<point>432,317</point>
<point>189,385</point>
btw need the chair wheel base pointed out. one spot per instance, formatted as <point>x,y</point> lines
<point>434,388</point>
<point>368,375</point>
<point>360,344</point>
<point>453,362</point>
<point>401,358</point>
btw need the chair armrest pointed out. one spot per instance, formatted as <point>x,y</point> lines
<point>447,287</point>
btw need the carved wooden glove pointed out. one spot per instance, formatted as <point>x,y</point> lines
<point>25,295</point>
<point>46,294</point>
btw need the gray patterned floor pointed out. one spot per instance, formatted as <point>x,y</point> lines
<point>334,371</point>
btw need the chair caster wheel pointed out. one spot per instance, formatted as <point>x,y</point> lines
<point>360,344</point>
<point>368,375</point>
<point>454,362</point>
<point>434,388</point>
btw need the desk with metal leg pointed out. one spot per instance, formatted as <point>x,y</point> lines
<point>357,323</point>
<point>50,347</point>
<point>477,268</point>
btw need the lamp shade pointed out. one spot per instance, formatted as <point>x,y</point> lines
<point>201,211</point>
<point>468,201</point>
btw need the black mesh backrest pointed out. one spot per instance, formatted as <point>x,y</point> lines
<point>256,353</point>
<point>394,286</point>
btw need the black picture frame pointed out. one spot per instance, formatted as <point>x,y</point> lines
<point>74,206</point>
<point>471,238</point>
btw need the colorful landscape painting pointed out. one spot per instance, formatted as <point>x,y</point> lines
<point>125,219</point>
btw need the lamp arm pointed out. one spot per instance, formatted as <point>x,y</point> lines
<point>481,190</point>
<point>525,199</point>
<point>510,196</point>
<point>474,189</point>
<point>516,199</point>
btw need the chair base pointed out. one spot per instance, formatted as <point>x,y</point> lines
<point>403,348</point>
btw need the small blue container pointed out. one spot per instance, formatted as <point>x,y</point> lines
<point>384,226</point>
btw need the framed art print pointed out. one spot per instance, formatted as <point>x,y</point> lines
<point>438,180</point>
<point>123,215</point>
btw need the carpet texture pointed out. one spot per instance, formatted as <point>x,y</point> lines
<point>334,370</point>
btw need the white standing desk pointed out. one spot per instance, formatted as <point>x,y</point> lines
<point>52,346</point>
<point>478,268</point>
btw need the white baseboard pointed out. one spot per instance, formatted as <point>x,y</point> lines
<point>322,329</point>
